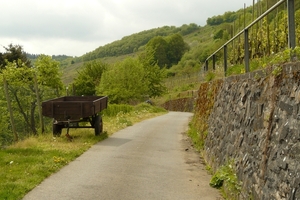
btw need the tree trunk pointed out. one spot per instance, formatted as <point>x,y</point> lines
<point>26,118</point>
<point>16,138</point>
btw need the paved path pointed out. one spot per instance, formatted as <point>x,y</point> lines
<point>150,160</point>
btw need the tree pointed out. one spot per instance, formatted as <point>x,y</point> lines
<point>166,51</point>
<point>176,48</point>
<point>27,85</point>
<point>154,76</point>
<point>89,77</point>
<point>158,46</point>
<point>48,74</point>
<point>14,53</point>
<point>124,82</point>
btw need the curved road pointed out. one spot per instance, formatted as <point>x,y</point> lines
<point>150,160</point>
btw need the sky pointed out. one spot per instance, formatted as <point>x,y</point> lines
<point>76,27</point>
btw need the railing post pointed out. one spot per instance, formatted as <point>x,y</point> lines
<point>291,23</point>
<point>214,61</point>
<point>225,60</point>
<point>247,68</point>
<point>206,65</point>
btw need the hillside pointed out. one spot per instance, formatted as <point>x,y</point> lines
<point>195,36</point>
<point>201,40</point>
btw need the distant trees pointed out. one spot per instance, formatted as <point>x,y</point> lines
<point>13,53</point>
<point>187,29</point>
<point>132,43</point>
<point>227,17</point>
<point>167,51</point>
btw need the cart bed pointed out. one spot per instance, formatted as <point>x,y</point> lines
<point>73,107</point>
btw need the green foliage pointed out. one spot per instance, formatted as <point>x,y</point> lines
<point>149,108</point>
<point>48,73</point>
<point>132,81</point>
<point>236,69</point>
<point>277,71</point>
<point>176,48</point>
<point>225,176</point>
<point>154,75</point>
<point>219,19</point>
<point>158,46</point>
<point>283,56</point>
<point>22,92</point>
<point>132,43</point>
<point>114,109</point>
<point>187,29</point>
<point>224,173</point>
<point>121,112</point>
<point>122,120</point>
<point>89,77</point>
<point>184,87</point>
<point>128,44</point>
<point>218,35</point>
<point>166,51</point>
<point>210,76</point>
<point>124,82</point>
<point>14,53</point>
<point>194,134</point>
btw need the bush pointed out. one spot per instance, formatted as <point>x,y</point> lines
<point>225,175</point>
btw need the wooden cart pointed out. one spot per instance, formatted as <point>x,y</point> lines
<point>68,111</point>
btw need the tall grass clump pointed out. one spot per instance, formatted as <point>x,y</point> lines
<point>114,109</point>
<point>149,108</point>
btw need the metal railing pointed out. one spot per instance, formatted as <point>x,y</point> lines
<point>245,31</point>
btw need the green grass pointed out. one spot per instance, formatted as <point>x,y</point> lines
<point>194,134</point>
<point>27,163</point>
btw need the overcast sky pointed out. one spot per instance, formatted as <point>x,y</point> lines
<point>75,27</point>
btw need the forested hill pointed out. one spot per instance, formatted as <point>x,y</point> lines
<point>132,43</point>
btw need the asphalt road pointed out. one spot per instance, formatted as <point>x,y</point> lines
<point>150,160</point>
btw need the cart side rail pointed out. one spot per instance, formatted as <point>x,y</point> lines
<point>74,107</point>
<point>100,104</point>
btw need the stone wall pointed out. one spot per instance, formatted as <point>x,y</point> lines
<point>183,104</point>
<point>255,121</point>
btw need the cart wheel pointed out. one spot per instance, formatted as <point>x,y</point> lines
<point>98,125</point>
<point>56,128</point>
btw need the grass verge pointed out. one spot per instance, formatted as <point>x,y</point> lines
<point>27,163</point>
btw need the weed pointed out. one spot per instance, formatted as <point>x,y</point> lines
<point>235,70</point>
<point>210,76</point>
<point>209,169</point>
<point>277,71</point>
<point>197,139</point>
<point>225,176</point>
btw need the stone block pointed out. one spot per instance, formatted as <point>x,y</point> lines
<point>284,132</point>
<point>286,107</point>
